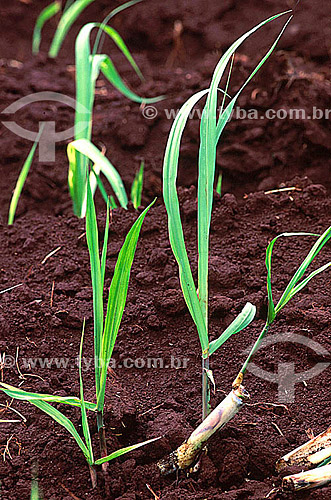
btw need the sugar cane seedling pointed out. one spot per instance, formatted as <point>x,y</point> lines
<point>296,284</point>
<point>71,12</point>
<point>22,178</point>
<point>105,331</point>
<point>187,454</point>
<point>210,132</point>
<point>42,401</point>
<point>89,64</point>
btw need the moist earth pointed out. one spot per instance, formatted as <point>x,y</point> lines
<point>43,317</point>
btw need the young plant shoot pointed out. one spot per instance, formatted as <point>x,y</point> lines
<point>188,453</point>
<point>105,331</point>
<point>211,128</point>
<point>105,334</point>
<point>89,64</point>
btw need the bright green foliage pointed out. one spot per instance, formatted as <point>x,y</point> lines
<point>210,131</point>
<point>296,284</point>
<point>211,128</point>
<point>219,184</point>
<point>44,406</point>
<point>77,180</point>
<point>105,333</point>
<point>46,14</point>
<point>89,64</point>
<point>21,179</point>
<point>68,18</point>
<point>239,323</point>
<point>137,187</point>
<point>122,451</point>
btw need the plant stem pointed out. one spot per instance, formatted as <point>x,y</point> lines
<point>93,476</point>
<point>102,438</point>
<point>205,388</point>
<point>238,380</point>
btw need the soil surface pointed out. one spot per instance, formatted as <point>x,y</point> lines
<point>152,401</point>
<point>42,318</point>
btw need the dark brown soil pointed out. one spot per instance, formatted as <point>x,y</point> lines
<point>255,154</point>
<point>153,402</point>
<point>149,402</point>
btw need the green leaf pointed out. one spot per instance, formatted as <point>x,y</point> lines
<point>295,285</point>
<point>176,235</point>
<point>137,187</point>
<point>239,323</point>
<point>123,451</point>
<point>22,178</point>
<point>49,410</point>
<point>46,14</point>
<point>66,21</point>
<point>219,184</point>
<point>116,300</point>
<point>77,176</point>
<point>209,137</point>
<point>15,393</point>
<point>93,247</point>
<point>65,422</point>
<point>109,71</point>
<point>86,429</point>
<point>104,247</point>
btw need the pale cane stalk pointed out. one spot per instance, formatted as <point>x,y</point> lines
<point>308,480</point>
<point>188,453</point>
<point>313,452</point>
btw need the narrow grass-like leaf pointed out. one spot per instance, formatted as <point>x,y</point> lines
<point>66,21</point>
<point>65,422</point>
<point>293,286</point>
<point>109,71</point>
<point>86,429</point>
<point>226,114</point>
<point>92,238</point>
<point>112,202</point>
<point>77,174</point>
<point>88,67</point>
<point>100,185</point>
<point>21,179</point>
<point>116,300</point>
<point>123,451</point>
<point>104,246</point>
<point>176,235</point>
<point>209,136</point>
<point>239,323</point>
<point>137,187</point>
<point>16,393</point>
<point>219,184</point>
<point>46,14</point>
<point>113,13</point>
